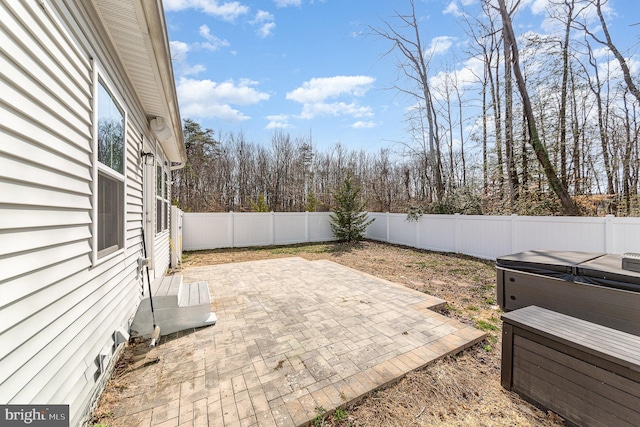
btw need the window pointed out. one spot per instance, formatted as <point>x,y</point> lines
<point>110,173</point>
<point>162,199</point>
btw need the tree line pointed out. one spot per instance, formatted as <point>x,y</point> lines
<point>553,129</point>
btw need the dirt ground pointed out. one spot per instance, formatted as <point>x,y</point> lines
<point>463,390</point>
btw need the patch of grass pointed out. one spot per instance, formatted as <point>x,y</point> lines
<point>472,308</point>
<point>485,326</point>
<point>492,339</point>
<point>318,420</point>
<point>299,249</point>
<point>340,414</point>
<point>487,287</point>
<point>490,301</point>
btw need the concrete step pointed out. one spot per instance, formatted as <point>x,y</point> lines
<point>177,306</point>
<point>193,294</point>
<point>166,291</point>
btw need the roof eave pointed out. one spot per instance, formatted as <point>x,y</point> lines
<point>157,32</point>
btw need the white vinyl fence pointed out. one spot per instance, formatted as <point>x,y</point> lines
<point>492,236</point>
<point>477,235</point>
<point>231,230</point>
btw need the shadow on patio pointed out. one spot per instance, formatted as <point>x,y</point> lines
<point>292,335</point>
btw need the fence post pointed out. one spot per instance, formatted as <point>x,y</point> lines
<point>175,241</point>
<point>512,225</point>
<point>608,233</point>
<point>307,232</point>
<point>457,234</point>
<point>417,231</point>
<point>387,216</point>
<point>272,222</point>
<point>231,230</point>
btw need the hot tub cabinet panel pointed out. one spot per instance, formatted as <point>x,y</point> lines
<point>612,307</point>
<point>588,286</point>
<point>587,373</point>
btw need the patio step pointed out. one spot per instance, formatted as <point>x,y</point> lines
<point>177,306</point>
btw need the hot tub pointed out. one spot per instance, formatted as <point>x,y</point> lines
<point>589,286</point>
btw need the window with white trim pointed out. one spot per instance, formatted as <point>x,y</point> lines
<point>110,146</point>
<point>162,199</point>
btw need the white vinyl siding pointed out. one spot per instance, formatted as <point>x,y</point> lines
<point>162,254</point>
<point>58,311</point>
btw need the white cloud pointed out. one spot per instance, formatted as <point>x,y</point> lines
<point>602,52</point>
<point>319,89</point>
<point>192,70</point>
<point>227,11</point>
<point>464,77</point>
<point>363,125</point>
<point>181,67</point>
<point>206,98</point>
<point>614,71</point>
<point>262,16</point>
<point>313,96</point>
<point>266,29</point>
<point>539,6</point>
<point>266,19</point>
<point>279,121</point>
<point>287,3</point>
<point>179,50</point>
<point>634,66</point>
<point>439,45</point>
<point>213,43</point>
<point>452,9</point>
<point>309,111</point>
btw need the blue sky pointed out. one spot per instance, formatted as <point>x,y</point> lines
<point>313,67</point>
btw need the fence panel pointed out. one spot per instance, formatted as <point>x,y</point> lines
<point>206,231</point>
<point>481,236</point>
<point>437,233</point>
<point>319,228</point>
<point>289,228</point>
<point>623,235</point>
<point>401,231</point>
<point>377,230</point>
<point>252,229</point>
<point>558,233</point>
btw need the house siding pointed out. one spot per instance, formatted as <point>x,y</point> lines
<point>161,239</point>
<point>162,253</point>
<point>59,309</point>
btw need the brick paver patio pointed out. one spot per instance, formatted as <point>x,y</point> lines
<point>292,335</point>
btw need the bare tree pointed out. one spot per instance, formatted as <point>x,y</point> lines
<point>415,66</point>
<point>612,47</point>
<point>560,190</point>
